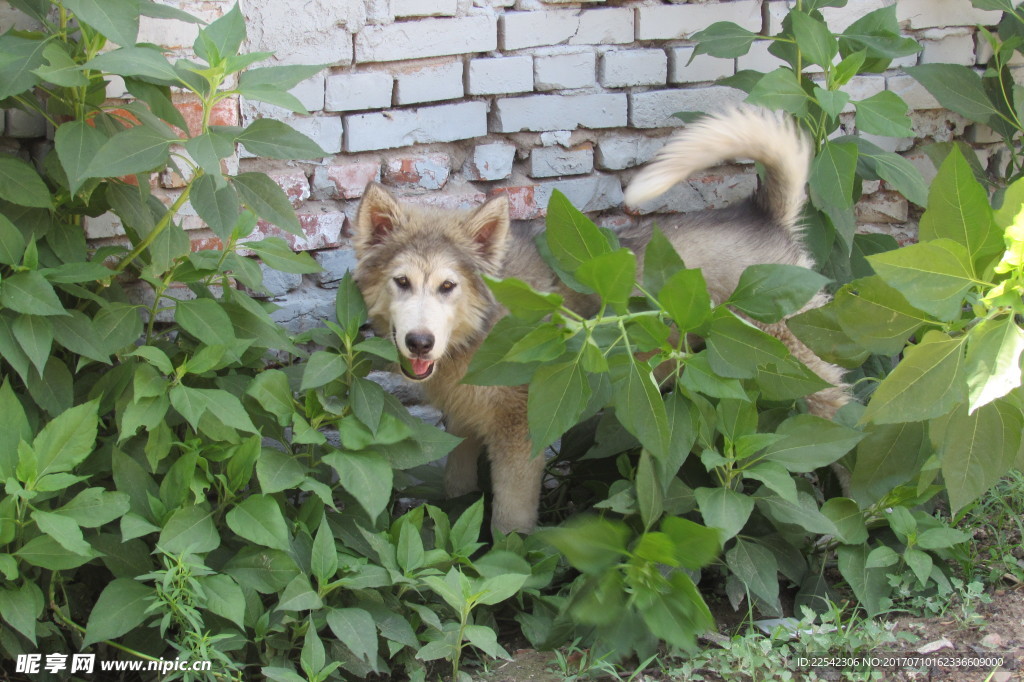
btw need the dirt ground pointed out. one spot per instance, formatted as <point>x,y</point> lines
<point>997,632</point>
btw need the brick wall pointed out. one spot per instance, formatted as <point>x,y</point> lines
<point>451,101</point>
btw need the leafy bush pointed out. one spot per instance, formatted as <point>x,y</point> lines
<point>991,99</point>
<point>810,88</point>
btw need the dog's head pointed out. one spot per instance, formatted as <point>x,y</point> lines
<point>419,270</point>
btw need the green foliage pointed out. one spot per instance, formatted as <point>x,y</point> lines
<point>818,65</point>
<point>992,99</point>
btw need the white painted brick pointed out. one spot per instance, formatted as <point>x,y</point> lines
<point>984,52</point>
<point>404,127</point>
<point>574,27</point>
<point>309,92</point>
<point>592,193</point>
<point>424,8</point>
<point>326,131</point>
<point>625,150</point>
<point>654,109</point>
<point>549,162</point>
<point>604,27</point>
<point>937,13</point>
<point>560,112</point>
<point>12,18</point>
<point>319,33</point>
<point>840,18</point>
<point>912,92</point>
<point>625,68</point>
<point>703,69</point>
<point>948,46</point>
<point>169,33</point>
<point>429,84</point>
<point>500,75</point>
<point>490,162</point>
<point>335,262</point>
<point>564,71</point>
<point>355,91</point>
<point>550,138</point>
<point>427,38</point>
<point>759,58</point>
<point>666,22</point>
<point>425,171</point>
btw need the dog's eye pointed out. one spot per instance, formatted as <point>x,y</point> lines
<point>402,282</point>
<point>446,286</point>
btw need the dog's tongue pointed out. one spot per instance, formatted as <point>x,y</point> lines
<point>420,367</point>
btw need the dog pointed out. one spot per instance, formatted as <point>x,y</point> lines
<point>420,272</point>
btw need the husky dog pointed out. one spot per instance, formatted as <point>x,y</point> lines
<point>420,269</point>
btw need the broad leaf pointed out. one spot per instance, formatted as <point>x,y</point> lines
<point>259,519</point>
<point>267,200</point>
<point>934,276</point>
<point>557,397</point>
<point>121,607</point>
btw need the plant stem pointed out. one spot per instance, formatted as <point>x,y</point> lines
<point>160,227</point>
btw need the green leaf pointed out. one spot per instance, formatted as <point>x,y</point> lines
<point>30,293</point>
<point>927,383</point>
<point>66,440</point>
<point>884,113</point>
<point>888,456</point>
<point>640,408</point>
<point>486,640</point>
<point>994,349</point>
<point>35,334</point>
<point>12,242</point>
<point>14,428</point>
<point>803,513</point>
<point>137,150</point>
<point>322,368</point>
<point>222,38</point>
<point>259,519</point>
<point>116,326</point>
<point>661,262</point>
<point>206,320</point>
<point>366,476</point>
<point>820,330</point>
<point>976,449</point>
<point>277,471</point>
<point>276,253</point>
<point>957,88</point>
<point>736,348</point>
<point>775,477</point>
<point>219,208</point>
<point>590,544</point>
<point>832,176</point>
<point>193,403</point>
<point>267,200</point>
<point>121,607</point>
<point>557,397</point>
<point>814,38</point>
<point>273,139</point>
<point>356,630</point>
<point>278,77</point>
<point>189,529</point>
<point>874,163</point>
<point>64,530</point>
<point>324,554</point>
<point>116,19</point>
<point>22,56</point>
<point>45,552</point>
<point>349,306</point>
<point>868,584</point>
<point>810,443</point>
<point>877,316</point>
<point>572,237</point>
<point>20,184</point>
<point>934,276</point>
<point>21,607</point>
<point>544,344</point>
<point>832,102</point>
<point>780,89</point>
<point>94,507</point>
<point>724,509</point>
<point>522,300</point>
<point>684,296</point>
<point>723,39</point>
<point>611,275</point>
<point>695,546</point>
<point>958,210</point>
<point>61,69</point>
<point>649,495</point>
<point>271,390</point>
<point>771,291</point>
<point>135,61</point>
<point>848,519</point>
<point>224,597</point>
<point>267,571</point>
<point>942,538</point>
<point>757,568</point>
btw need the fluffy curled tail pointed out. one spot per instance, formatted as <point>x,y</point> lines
<point>745,133</point>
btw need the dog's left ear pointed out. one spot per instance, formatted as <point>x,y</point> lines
<point>377,216</point>
<point>488,228</point>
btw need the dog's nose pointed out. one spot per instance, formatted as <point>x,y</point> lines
<point>419,343</point>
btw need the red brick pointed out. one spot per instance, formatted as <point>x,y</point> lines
<point>322,231</point>
<point>294,183</point>
<point>428,171</point>
<point>224,113</point>
<point>521,201</point>
<point>348,180</point>
<point>449,202</point>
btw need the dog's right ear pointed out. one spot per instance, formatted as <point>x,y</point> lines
<point>377,216</point>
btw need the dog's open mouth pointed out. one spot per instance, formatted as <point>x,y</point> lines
<point>416,369</point>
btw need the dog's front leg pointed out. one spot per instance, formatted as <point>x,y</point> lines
<point>460,469</point>
<point>515,477</point>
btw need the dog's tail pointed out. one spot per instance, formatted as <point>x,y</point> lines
<point>769,138</point>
